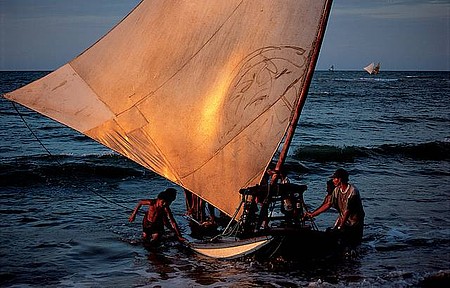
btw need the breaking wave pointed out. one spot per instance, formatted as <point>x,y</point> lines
<point>433,151</point>
<point>31,170</point>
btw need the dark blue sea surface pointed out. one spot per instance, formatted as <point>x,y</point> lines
<point>64,209</point>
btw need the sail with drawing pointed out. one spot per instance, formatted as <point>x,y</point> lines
<point>373,69</point>
<point>201,92</point>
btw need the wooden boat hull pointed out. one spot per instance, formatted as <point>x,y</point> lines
<point>290,244</point>
<point>230,248</point>
<point>300,245</point>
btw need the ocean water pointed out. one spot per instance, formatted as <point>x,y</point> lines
<point>64,208</point>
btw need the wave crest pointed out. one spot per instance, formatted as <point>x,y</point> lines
<point>34,170</point>
<point>433,151</point>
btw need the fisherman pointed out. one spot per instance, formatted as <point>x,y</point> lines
<point>346,200</point>
<point>196,208</point>
<point>201,223</point>
<point>157,216</point>
<point>330,189</point>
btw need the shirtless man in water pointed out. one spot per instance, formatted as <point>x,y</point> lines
<point>157,216</point>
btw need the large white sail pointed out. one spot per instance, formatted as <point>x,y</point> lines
<point>201,92</point>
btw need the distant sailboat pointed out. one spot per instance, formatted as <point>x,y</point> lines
<point>373,69</point>
<point>331,69</point>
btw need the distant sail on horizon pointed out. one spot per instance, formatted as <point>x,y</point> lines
<point>373,69</point>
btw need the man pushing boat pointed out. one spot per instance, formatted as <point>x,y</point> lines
<point>346,199</point>
<point>157,216</point>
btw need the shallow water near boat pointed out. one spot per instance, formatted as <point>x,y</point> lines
<point>65,215</point>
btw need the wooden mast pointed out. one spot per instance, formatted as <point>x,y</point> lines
<point>304,92</point>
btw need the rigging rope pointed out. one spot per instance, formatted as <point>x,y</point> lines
<point>32,132</point>
<point>59,163</point>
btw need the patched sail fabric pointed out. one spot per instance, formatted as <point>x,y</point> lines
<point>201,92</point>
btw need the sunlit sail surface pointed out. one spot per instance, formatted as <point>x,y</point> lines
<point>201,92</point>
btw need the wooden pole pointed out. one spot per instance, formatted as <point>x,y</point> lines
<point>304,92</point>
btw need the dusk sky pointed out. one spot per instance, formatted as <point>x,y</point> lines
<point>401,34</point>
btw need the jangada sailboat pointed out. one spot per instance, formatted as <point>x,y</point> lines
<point>373,69</point>
<point>207,94</point>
